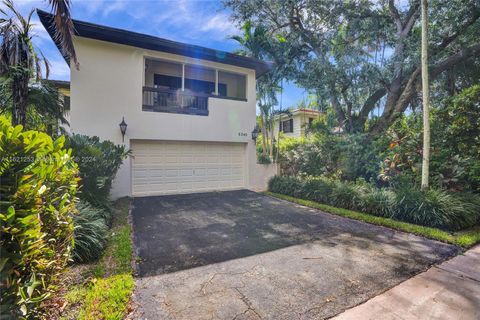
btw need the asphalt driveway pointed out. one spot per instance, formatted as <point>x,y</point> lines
<point>243,255</point>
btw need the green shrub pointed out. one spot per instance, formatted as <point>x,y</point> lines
<point>38,186</point>
<point>377,201</point>
<point>91,231</point>
<point>285,185</point>
<point>434,208</point>
<point>98,162</point>
<point>317,189</point>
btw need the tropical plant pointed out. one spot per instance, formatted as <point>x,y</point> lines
<point>39,183</point>
<point>64,29</point>
<point>98,162</point>
<point>433,208</point>
<point>91,230</point>
<point>19,61</point>
<point>254,43</point>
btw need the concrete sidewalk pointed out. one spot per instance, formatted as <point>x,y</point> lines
<point>450,290</point>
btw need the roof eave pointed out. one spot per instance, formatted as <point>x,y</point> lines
<point>125,37</point>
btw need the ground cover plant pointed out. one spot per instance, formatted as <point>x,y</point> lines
<point>434,208</point>
<point>102,289</point>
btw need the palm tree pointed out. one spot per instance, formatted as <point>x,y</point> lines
<point>425,98</point>
<point>64,29</point>
<point>29,101</point>
<point>19,62</point>
<point>254,43</point>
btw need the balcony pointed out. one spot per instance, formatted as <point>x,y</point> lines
<point>175,101</point>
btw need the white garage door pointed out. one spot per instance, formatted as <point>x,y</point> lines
<point>168,167</point>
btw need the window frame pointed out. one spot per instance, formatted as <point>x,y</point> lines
<point>290,125</point>
<point>215,69</point>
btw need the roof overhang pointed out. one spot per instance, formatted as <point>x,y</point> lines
<point>144,41</point>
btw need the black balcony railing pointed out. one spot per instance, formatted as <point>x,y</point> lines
<point>175,101</point>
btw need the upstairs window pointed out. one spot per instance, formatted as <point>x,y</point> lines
<point>232,85</point>
<point>286,126</point>
<point>177,87</point>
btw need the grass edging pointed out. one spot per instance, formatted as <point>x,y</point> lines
<point>465,239</point>
<point>108,283</point>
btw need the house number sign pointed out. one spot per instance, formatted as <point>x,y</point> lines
<point>242,134</point>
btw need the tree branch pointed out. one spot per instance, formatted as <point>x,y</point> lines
<point>447,40</point>
<point>454,59</point>
<point>395,15</point>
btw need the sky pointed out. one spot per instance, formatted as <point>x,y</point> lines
<point>201,22</point>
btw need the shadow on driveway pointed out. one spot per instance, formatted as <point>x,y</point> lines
<point>178,232</point>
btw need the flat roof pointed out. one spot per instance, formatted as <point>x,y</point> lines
<point>58,83</point>
<point>144,41</point>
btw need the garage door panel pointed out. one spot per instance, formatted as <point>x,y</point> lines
<point>166,167</point>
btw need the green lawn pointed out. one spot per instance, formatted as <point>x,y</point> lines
<point>108,283</point>
<point>464,238</point>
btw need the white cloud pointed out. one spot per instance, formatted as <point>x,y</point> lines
<point>117,5</point>
<point>221,23</point>
<point>91,6</point>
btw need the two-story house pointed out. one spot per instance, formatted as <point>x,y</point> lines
<point>189,110</point>
<point>295,123</point>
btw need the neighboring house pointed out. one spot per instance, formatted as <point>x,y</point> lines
<point>295,123</point>
<point>190,110</point>
<point>63,88</point>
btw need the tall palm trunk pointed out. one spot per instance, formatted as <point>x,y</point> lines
<point>278,137</point>
<point>272,138</point>
<point>426,98</point>
<point>20,96</point>
<point>264,136</point>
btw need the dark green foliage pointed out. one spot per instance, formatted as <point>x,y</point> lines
<point>38,186</point>
<point>358,56</point>
<point>288,185</point>
<point>91,231</point>
<point>348,157</point>
<point>434,208</point>
<point>455,152</point>
<point>360,157</point>
<point>98,162</point>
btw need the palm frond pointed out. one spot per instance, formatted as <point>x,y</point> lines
<point>64,29</point>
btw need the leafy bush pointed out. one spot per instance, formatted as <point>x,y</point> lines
<point>98,162</point>
<point>284,185</point>
<point>434,208</point>
<point>337,156</point>
<point>38,186</point>
<point>91,230</point>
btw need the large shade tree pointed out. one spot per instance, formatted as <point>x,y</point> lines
<point>361,55</point>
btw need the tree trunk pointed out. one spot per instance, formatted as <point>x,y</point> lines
<point>278,137</point>
<point>264,136</point>
<point>426,98</point>
<point>272,140</point>
<point>19,101</point>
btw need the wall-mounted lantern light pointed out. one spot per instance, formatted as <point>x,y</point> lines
<point>255,132</point>
<point>123,128</point>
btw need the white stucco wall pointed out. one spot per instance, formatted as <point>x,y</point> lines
<point>109,84</point>
<point>299,122</point>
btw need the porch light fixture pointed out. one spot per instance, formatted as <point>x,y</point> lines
<point>255,132</point>
<point>123,128</point>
